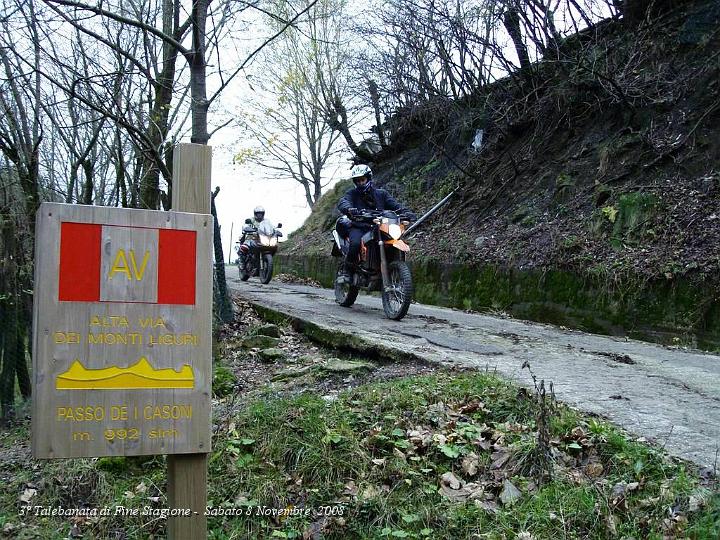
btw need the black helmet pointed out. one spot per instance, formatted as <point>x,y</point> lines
<point>259,213</point>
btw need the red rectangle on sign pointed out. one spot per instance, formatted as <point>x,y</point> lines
<point>176,267</point>
<point>79,279</point>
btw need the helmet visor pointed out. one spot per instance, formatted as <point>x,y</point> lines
<point>360,181</point>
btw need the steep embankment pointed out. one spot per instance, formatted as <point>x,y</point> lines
<point>594,198</point>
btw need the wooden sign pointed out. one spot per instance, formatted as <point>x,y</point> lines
<point>122,332</point>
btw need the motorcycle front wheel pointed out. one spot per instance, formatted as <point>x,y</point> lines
<point>244,274</point>
<point>266,268</point>
<point>396,297</point>
<point>345,294</point>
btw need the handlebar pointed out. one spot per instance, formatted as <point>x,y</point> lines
<point>254,230</point>
<point>369,215</point>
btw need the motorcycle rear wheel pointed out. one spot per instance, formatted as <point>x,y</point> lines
<point>266,268</point>
<point>345,294</point>
<point>396,300</point>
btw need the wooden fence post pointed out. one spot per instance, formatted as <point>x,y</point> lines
<point>187,473</point>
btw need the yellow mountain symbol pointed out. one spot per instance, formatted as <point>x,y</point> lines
<point>141,375</point>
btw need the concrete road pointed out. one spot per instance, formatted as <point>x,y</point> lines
<point>667,395</point>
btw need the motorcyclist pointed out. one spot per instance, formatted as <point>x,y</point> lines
<point>364,196</point>
<point>248,238</point>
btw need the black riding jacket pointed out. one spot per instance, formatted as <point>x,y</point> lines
<point>375,199</point>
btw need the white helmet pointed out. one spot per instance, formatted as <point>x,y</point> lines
<point>361,171</point>
<point>259,213</point>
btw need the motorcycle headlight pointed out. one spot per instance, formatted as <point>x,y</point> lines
<point>394,231</point>
<point>268,241</point>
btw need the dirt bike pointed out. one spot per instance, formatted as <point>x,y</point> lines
<point>255,253</point>
<point>382,265</point>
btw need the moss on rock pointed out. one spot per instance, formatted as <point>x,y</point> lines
<point>666,311</point>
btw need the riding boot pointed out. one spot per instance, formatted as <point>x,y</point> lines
<point>345,275</point>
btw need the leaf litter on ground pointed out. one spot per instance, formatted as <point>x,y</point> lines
<point>401,449</point>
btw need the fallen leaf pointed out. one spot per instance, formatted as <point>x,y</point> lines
<point>618,490</point>
<point>470,464</point>
<point>370,492</point>
<point>420,438</point>
<point>611,522</point>
<point>475,490</point>
<point>510,493</point>
<point>698,499</point>
<point>473,406</point>
<point>499,459</point>
<point>483,443</point>
<point>379,461</point>
<point>449,479</point>
<point>471,491</point>
<point>489,506</point>
<point>28,494</point>
<point>593,470</point>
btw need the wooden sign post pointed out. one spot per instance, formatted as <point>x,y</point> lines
<point>122,361</point>
<point>187,474</point>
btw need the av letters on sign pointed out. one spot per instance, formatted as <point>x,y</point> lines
<point>157,268</point>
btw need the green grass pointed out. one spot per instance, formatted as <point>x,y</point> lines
<point>373,461</point>
<point>307,453</point>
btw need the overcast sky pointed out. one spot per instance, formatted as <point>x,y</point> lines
<point>242,188</point>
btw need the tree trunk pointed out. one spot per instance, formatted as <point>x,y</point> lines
<point>150,196</point>
<point>9,362</point>
<point>21,366</point>
<point>375,99</point>
<point>338,121</point>
<point>511,20</point>
<point>8,320</point>
<point>198,83</point>
<point>225,307</point>
<point>87,192</point>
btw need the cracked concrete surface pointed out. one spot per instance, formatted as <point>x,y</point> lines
<point>667,395</point>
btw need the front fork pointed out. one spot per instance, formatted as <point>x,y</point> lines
<point>384,266</point>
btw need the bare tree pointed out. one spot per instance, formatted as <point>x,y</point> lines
<point>20,138</point>
<point>293,134</point>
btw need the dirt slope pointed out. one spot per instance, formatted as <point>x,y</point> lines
<point>608,162</point>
